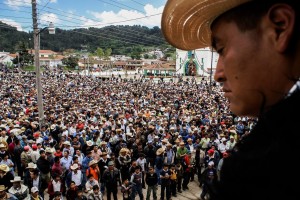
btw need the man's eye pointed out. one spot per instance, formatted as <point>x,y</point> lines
<point>219,51</point>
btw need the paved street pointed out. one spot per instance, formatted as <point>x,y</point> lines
<point>192,194</point>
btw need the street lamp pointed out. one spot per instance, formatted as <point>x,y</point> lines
<point>36,36</point>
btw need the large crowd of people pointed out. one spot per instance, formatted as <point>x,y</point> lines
<point>101,137</point>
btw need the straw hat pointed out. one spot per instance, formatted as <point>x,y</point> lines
<point>186,24</point>
<point>31,165</point>
<point>92,162</point>
<point>89,143</point>
<point>2,145</point>
<point>160,151</point>
<point>67,143</point>
<point>48,150</point>
<point>16,179</point>
<point>124,150</point>
<point>2,188</point>
<point>4,167</point>
<point>74,166</point>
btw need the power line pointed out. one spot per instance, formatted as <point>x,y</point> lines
<point>15,17</point>
<point>110,23</point>
<point>44,6</point>
<point>120,4</point>
<point>108,36</point>
<point>138,3</point>
<point>15,10</point>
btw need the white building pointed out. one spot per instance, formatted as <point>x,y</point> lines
<point>197,62</point>
<point>6,58</point>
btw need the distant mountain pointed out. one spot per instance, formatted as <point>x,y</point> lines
<point>120,39</point>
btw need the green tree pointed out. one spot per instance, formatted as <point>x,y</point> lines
<point>70,61</point>
<point>99,52</point>
<point>107,53</point>
<point>24,57</point>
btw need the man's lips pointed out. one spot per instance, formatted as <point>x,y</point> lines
<point>226,90</point>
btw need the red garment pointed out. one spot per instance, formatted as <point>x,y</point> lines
<point>80,126</point>
<point>57,169</point>
<point>59,154</point>
<point>51,190</point>
<point>187,163</point>
<point>11,147</point>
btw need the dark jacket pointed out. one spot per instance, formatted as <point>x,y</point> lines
<point>111,182</point>
<point>5,180</point>
<point>151,179</point>
<point>260,165</point>
<point>43,165</point>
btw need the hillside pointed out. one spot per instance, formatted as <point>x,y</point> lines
<point>120,39</point>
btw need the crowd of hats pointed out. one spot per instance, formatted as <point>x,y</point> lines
<point>124,107</point>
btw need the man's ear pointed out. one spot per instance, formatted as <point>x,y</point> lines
<point>281,18</point>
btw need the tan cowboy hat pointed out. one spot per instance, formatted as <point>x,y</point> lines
<point>89,143</point>
<point>103,142</point>
<point>160,151</point>
<point>186,24</point>
<point>31,165</point>
<point>165,140</point>
<point>74,166</point>
<point>2,145</point>
<point>16,179</point>
<point>2,188</point>
<point>92,162</point>
<point>67,143</point>
<point>4,167</point>
<point>169,145</point>
<point>124,150</point>
<point>48,150</point>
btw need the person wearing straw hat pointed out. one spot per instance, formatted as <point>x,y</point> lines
<point>258,67</point>
<point>5,195</point>
<point>159,162</point>
<point>5,176</point>
<point>18,189</point>
<point>75,175</point>
<point>93,170</point>
<point>124,160</point>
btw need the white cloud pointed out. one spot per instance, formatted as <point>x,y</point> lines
<point>126,17</point>
<point>15,4</point>
<point>12,23</point>
<point>49,17</point>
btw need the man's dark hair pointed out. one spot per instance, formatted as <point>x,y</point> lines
<point>95,187</point>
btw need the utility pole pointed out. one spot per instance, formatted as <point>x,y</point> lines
<point>211,71</point>
<point>36,41</point>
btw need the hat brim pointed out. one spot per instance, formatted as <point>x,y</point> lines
<point>186,24</point>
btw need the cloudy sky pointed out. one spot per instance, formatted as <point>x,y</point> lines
<point>70,14</point>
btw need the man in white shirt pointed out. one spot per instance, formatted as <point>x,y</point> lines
<point>76,176</point>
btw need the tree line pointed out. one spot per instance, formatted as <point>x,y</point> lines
<point>125,40</point>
